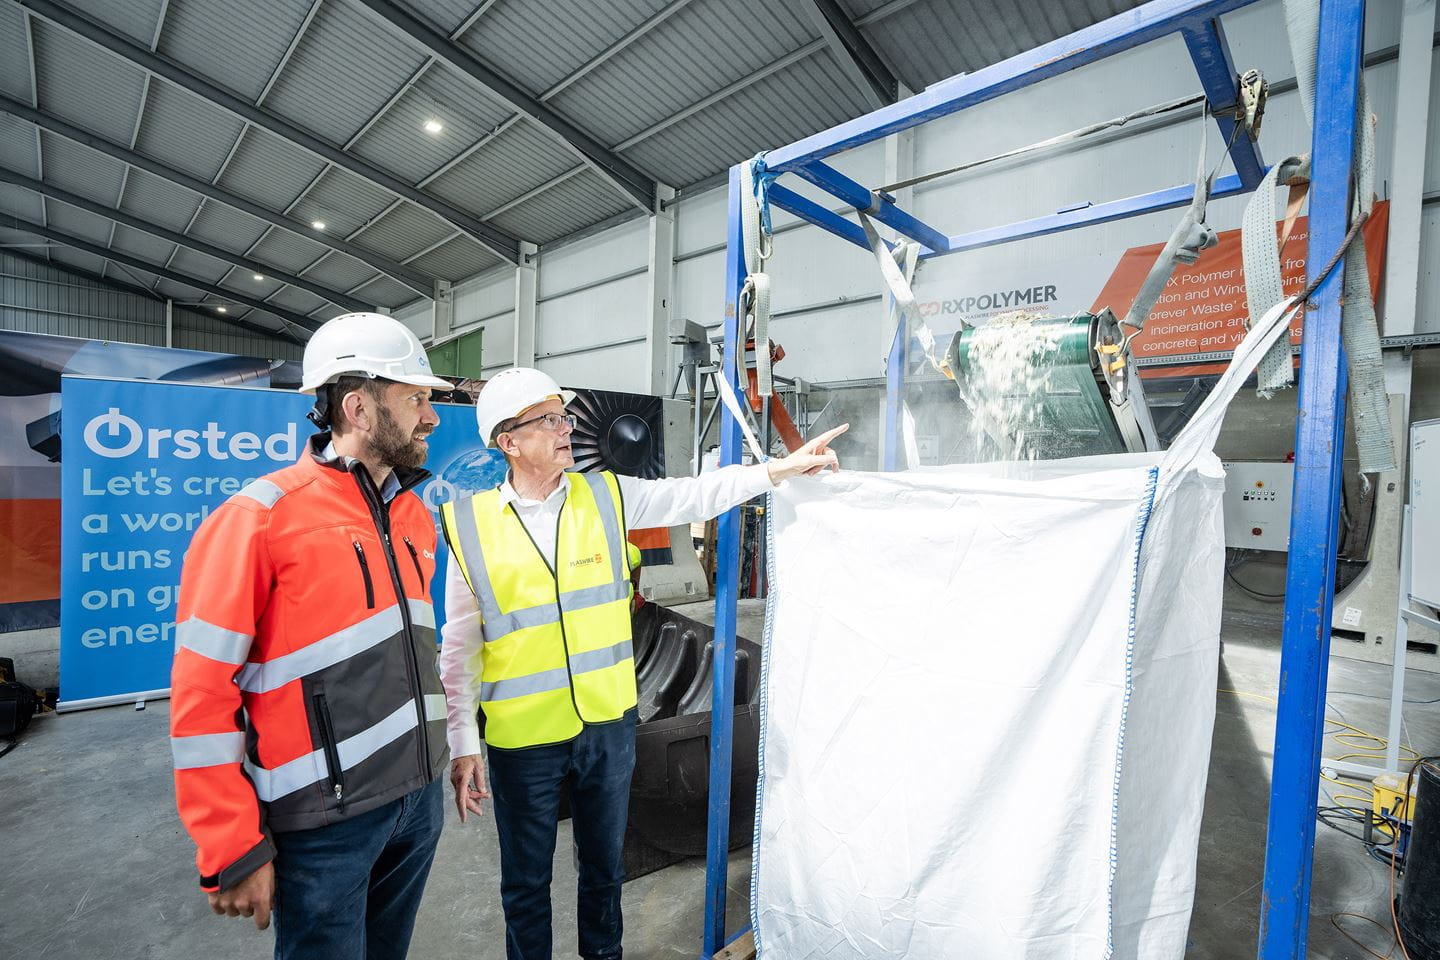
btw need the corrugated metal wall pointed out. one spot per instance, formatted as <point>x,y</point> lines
<point>40,298</point>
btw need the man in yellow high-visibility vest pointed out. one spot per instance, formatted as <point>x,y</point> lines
<point>537,634</point>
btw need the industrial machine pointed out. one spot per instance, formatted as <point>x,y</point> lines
<point>1046,388</point>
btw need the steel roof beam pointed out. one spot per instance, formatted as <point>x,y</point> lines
<point>581,71</point>
<point>412,278</point>
<point>790,59</point>
<point>856,56</point>
<point>499,242</point>
<point>655,19</point>
<point>637,185</point>
<point>130,220</point>
<point>94,249</point>
<point>159,25</point>
<point>289,52</point>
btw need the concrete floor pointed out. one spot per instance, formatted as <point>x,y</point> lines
<point>97,866</point>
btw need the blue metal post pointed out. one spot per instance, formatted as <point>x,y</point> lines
<point>1217,73</point>
<point>1319,443</point>
<point>895,366</point>
<point>727,592</point>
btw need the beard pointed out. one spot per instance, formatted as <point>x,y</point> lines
<point>393,447</point>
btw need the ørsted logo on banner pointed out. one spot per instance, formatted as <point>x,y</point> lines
<point>115,435</point>
<point>998,300</point>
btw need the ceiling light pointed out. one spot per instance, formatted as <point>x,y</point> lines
<point>259,276</point>
<point>221,310</point>
<point>318,224</point>
<point>433,126</point>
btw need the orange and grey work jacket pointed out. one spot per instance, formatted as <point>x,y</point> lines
<point>304,688</point>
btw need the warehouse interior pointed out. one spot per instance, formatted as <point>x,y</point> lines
<point>190,189</point>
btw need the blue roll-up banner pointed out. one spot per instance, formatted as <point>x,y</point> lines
<point>143,464</point>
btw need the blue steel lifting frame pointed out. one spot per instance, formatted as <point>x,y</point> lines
<point>1319,429</point>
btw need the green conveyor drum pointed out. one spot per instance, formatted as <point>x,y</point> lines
<point>1051,388</point>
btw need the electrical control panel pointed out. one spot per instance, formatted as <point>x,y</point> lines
<point>1257,504</point>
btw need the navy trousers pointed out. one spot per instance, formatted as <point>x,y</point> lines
<point>350,890</point>
<point>526,787</point>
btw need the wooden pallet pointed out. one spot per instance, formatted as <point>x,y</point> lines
<point>743,948</point>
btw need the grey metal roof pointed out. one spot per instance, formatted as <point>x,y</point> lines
<point>269,171</point>
<point>456,259</point>
<point>17,145</point>
<point>284,112</point>
<point>159,201</point>
<point>226,227</point>
<point>404,231</point>
<point>102,95</point>
<point>16,201</point>
<point>139,244</point>
<point>81,171</point>
<point>14,54</point>
<point>929,40</point>
<point>185,131</point>
<point>557,212</point>
<point>78,223</point>
<point>207,35</point>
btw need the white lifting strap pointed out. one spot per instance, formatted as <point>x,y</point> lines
<point>1358,328</point>
<point>755,300</point>
<point>897,266</point>
<point>1191,236</point>
<point>1261,256</point>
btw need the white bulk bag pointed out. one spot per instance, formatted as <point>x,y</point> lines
<point>987,702</point>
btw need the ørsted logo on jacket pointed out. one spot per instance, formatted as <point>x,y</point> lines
<point>586,561</point>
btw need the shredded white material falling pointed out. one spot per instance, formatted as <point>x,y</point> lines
<point>1008,368</point>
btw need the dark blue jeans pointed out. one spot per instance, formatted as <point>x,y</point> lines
<point>349,891</point>
<point>526,787</point>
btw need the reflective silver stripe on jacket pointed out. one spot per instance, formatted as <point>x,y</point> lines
<point>469,535</point>
<point>545,681</point>
<point>212,642</point>
<point>207,749</point>
<point>557,678</point>
<point>601,492</point>
<point>435,706</point>
<point>339,646</point>
<point>310,768</point>
<point>262,491</point>
<point>592,660</point>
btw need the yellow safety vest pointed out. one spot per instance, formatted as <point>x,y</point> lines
<point>557,648</point>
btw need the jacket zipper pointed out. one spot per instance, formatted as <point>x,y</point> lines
<point>332,752</point>
<point>380,513</point>
<point>365,572</point>
<point>415,559</point>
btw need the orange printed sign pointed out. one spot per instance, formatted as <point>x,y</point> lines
<point>1204,306</point>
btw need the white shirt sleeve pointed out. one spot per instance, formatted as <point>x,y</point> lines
<point>461,640</point>
<point>674,500</point>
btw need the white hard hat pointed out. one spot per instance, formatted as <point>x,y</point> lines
<point>366,344</point>
<point>510,393</point>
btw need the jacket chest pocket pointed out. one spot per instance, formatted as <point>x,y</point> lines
<point>362,559</point>
<point>415,558</point>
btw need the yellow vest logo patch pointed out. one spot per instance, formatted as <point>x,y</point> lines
<point>586,561</point>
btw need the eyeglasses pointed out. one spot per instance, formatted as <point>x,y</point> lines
<point>552,422</point>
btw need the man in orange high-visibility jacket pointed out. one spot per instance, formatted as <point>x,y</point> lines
<point>307,718</point>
